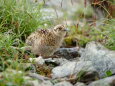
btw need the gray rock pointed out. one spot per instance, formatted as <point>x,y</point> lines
<point>64,54</point>
<point>38,60</point>
<point>28,67</point>
<point>68,53</point>
<point>56,61</point>
<point>64,83</point>
<point>64,70</point>
<point>79,84</point>
<point>87,76</point>
<point>70,6</point>
<point>32,83</point>
<point>73,8</point>
<point>109,81</point>
<point>64,10</point>
<point>102,59</point>
<point>51,14</point>
<point>70,68</point>
<point>37,76</point>
<point>38,83</point>
<point>46,83</point>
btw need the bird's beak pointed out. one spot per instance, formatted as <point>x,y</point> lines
<point>67,29</point>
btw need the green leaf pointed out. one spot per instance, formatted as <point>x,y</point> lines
<point>108,73</point>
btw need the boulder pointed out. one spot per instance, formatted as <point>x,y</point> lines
<point>109,81</point>
<point>102,59</point>
<point>70,68</point>
<point>68,53</point>
<point>64,83</point>
<point>79,84</point>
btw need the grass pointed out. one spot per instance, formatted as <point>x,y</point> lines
<point>103,33</point>
<point>19,18</point>
<point>12,78</point>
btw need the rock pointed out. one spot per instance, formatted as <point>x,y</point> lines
<point>64,70</point>
<point>52,62</point>
<point>79,84</point>
<point>64,54</point>
<point>102,59</point>
<point>38,60</point>
<point>68,53</point>
<point>37,76</point>
<point>60,11</point>
<point>56,61</point>
<point>62,4</point>
<point>109,81</point>
<point>33,69</point>
<point>87,77</point>
<point>64,83</point>
<point>51,14</point>
<point>70,7</point>
<point>30,82</point>
<point>112,83</point>
<point>70,68</point>
<point>46,83</point>
<point>25,65</point>
<point>12,71</point>
<point>28,67</point>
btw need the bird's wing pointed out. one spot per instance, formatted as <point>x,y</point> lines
<point>37,35</point>
<point>47,37</point>
<point>43,32</point>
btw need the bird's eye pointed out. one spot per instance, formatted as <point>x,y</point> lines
<point>59,28</point>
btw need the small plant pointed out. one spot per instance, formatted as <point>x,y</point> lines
<point>80,75</point>
<point>103,33</point>
<point>108,73</point>
<point>12,78</point>
<point>20,16</point>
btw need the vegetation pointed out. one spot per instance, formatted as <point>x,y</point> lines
<point>12,78</point>
<point>19,18</point>
<point>103,33</point>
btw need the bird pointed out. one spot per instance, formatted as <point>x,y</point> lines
<point>44,42</point>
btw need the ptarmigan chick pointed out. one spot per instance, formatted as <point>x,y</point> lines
<point>45,42</point>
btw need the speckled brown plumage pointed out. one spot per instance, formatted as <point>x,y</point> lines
<point>45,42</point>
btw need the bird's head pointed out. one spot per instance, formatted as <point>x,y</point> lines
<point>60,30</point>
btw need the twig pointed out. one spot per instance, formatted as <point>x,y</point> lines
<point>72,2</point>
<point>56,13</point>
<point>37,76</point>
<point>44,1</point>
<point>61,3</point>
